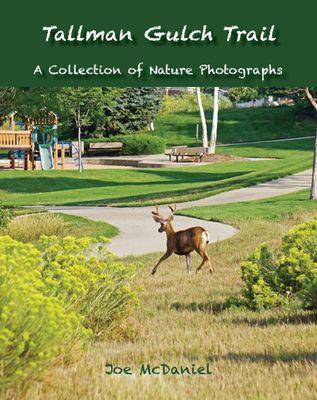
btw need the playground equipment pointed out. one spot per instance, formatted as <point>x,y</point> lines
<point>39,136</point>
<point>18,141</point>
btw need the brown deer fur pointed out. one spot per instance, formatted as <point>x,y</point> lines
<point>182,242</point>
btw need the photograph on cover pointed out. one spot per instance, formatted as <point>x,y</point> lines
<point>158,243</point>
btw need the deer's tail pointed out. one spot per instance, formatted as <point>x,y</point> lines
<point>205,237</point>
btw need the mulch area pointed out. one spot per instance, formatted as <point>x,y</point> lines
<point>220,157</point>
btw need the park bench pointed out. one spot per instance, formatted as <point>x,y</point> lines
<point>105,147</point>
<point>182,151</point>
<point>170,153</point>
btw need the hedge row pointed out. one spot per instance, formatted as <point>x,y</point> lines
<point>135,144</point>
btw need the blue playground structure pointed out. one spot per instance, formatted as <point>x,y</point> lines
<point>36,139</point>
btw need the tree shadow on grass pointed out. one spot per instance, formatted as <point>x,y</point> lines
<point>292,319</point>
<point>34,184</point>
<point>216,307</point>
<point>204,190</point>
<point>282,357</point>
<point>208,307</point>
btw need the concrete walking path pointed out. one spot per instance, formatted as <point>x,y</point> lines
<point>139,233</point>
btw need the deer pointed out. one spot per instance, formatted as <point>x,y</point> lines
<point>182,242</point>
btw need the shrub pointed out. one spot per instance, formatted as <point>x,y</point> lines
<point>5,217</point>
<point>143,143</point>
<point>89,279</point>
<point>259,275</point>
<point>54,297</point>
<point>29,228</point>
<point>34,326</point>
<point>241,94</point>
<point>187,102</point>
<point>272,281</point>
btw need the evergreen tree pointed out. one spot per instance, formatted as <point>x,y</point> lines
<point>133,110</point>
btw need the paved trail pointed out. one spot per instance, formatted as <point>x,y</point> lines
<point>138,232</point>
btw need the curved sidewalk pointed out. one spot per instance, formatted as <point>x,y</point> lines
<point>139,233</point>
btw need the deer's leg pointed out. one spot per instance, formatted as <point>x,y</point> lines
<point>205,257</point>
<point>164,257</point>
<point>188,263</point>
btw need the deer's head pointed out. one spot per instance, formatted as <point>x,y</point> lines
<point>164,222</point>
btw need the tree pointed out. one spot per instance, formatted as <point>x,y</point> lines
<point>241,94</point>
<point>85,106</point>
<point>202,118</point>
<point>26,101</point>
<point>313,100</point>
<point>133,110</point>
<point>305,101</point>
<point>214,127</point>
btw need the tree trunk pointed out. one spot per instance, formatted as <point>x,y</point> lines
<point>79,140</point>
<point>313,192</point>
<point>202,118</point>
<point>313,189</point>
<point>214,128</point>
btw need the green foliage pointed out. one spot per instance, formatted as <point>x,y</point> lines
<point>84,106</point>
<point>64,101</point>
<point>271,282</point>
<point>54,297</point>
<point>235,125</point>
<point>133,110</point>
<point>303,106</point>
<point>241,94</point>
<point>187,102</point>
<point>143,143</point>
<point>276,209</point>
<point>34,326</point>
<point>5,217</point>
<point>259,275</point>
<point>88,279</point>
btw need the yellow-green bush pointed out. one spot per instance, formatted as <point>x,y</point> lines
<point>187,102</point>
<point>51,297</point>
<point>89,279</point>
<point>5,216</point>
<point>34,326</point>
<point>271,281</point>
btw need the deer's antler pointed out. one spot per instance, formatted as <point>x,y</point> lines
<point>156,214</point>
<point>172,208</point>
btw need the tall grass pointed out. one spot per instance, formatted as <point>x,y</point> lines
<point>29,228</point>
<point>182,320</point>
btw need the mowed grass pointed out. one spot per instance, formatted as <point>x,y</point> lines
<point>235,125</point>
<point>273,209</point>
<point>151,186</point>
<point>183,320</point>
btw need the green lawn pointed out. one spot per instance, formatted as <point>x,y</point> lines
<point>275,209</point>
<point>236,125</point>
<point>149,186</point>
<point>80,227</point>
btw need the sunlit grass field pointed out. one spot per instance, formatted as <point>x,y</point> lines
<point>235,125</point>
<point>151,186</point>
<point>183,320</point>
